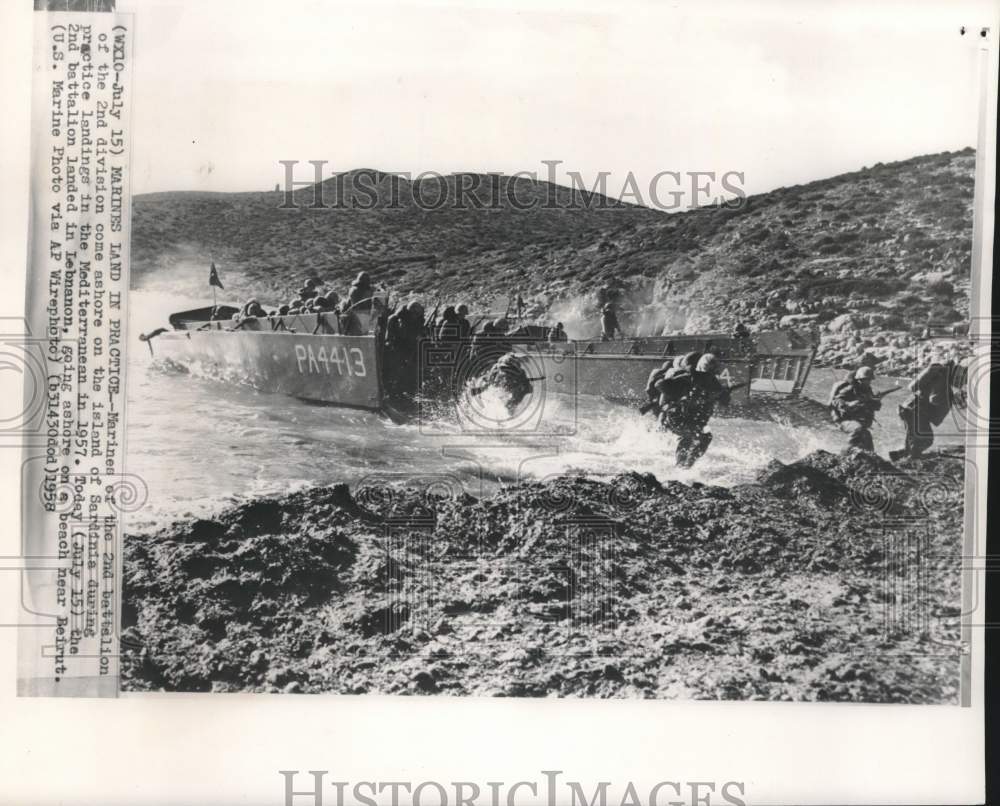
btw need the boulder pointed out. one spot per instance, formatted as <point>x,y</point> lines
<point>875,319</point>
<point>793,319</point>
<point>844,323</point>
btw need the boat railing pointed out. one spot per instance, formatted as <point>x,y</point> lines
<point>327,323</point>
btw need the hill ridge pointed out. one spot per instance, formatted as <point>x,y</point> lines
<point>888,247</point>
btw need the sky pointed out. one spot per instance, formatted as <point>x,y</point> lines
<point>781,92</point>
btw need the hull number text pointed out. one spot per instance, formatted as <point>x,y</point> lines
<point>346,360</point>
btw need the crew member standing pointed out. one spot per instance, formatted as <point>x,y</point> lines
<point>308,291</point>
<point>360,293</point>
<point>557,334</point>
<point>448,327</point>
<point>609,323</point>
<point>464,328</point>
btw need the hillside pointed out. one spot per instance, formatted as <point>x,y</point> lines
<point>872,256</point>
<point>378,226</point>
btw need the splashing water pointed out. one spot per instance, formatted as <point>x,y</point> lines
<point>577,315</point>
<point>199,442</point>
<point>640,313</point>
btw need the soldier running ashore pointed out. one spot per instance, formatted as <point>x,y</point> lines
<point>853,405</point>
<point>687,403</point>
<point>936,390</point>
<point>679,366</point>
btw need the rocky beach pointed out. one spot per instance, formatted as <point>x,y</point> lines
<point>832,578</point>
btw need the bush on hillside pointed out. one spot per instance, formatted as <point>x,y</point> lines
<point>943,313</point>
<point>845,286</point>
<point>941,288</point>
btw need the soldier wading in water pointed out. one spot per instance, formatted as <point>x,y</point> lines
<point>688,395</point>
<point>509,376</point>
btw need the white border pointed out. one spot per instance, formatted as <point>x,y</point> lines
<point>228,748</point>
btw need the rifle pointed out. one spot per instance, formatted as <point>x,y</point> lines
<point>880,395</point>
<point>480,389</point>
<point>359,302</point>
<point>431,321</point>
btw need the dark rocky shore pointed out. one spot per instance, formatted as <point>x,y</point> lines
<point>832,578</point>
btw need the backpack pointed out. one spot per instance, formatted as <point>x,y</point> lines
<point>837,388</point>
<point>836,403</point>
<point>675,383</point>
<point>654,378</point>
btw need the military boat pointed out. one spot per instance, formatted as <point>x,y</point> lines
<point>343,361</point>
<point>320,357</point>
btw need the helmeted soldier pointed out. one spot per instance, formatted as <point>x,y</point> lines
<point>308,290</point>
<point>938,388</point>
<point>687,402</point>
<point>464,328</point>
<point>609,323</point>
<point>448,326</point>
<point>508,375</point>
<point>853,405</point>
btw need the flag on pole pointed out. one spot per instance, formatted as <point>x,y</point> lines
<point>213,278</point>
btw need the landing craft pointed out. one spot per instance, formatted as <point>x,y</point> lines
<point>312,356</point>
<point>302,355</point>
<point>768,366</point>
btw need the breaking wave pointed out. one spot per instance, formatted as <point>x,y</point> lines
<point>198,440</point>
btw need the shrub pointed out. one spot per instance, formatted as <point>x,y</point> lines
<point>941,288</point>
<point>943,313</point>
<point>845,286</point>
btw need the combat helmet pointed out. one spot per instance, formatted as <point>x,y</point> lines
<point>708,363</point>
<point>688,361</point>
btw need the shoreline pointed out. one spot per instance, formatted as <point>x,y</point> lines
<point>566,587</point>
